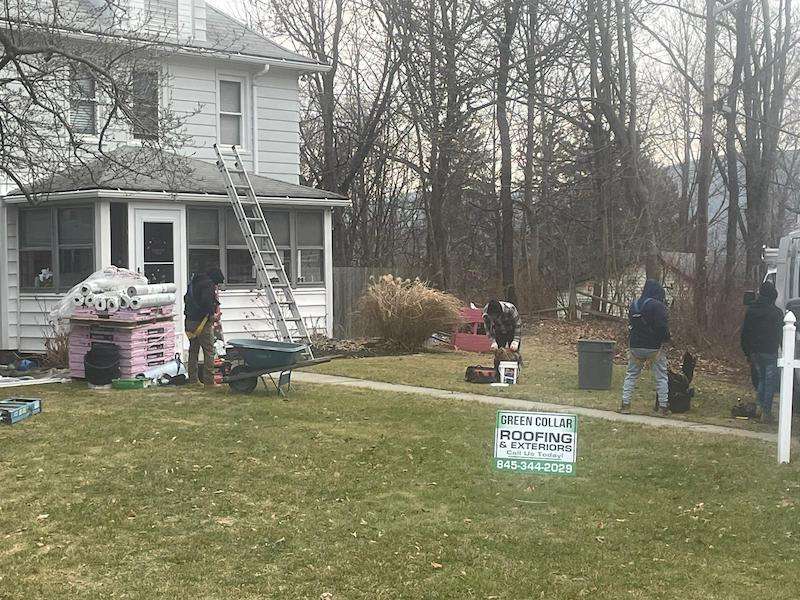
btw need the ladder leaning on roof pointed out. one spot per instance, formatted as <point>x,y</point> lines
<point>270,273</point>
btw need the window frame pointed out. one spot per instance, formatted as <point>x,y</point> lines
<point>54,248</point>
<point>76,98</point>
<point>293,248</point>
<point>298,247</point>
<point>135,132</point>
<point>244,107</point>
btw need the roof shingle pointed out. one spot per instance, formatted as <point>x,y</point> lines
<point>145,169</point>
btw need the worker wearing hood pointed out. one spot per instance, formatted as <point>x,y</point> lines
<point>649,330</point>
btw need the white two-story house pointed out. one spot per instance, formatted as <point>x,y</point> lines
<point>234,87</point>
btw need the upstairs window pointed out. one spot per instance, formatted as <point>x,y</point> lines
<point>145,105</point>
<point>83,100</point>
<point>230,112</point>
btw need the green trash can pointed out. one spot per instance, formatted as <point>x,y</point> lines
<point>595,364</point>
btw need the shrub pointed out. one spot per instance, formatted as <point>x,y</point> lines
<point>56,346</point>
<point>406,313</point>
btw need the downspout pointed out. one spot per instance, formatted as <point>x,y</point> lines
<point>254,91</point>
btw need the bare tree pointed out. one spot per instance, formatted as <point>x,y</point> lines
<point>511,10</point>
<point>76,80</point>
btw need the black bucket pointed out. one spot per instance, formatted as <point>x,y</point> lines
<point>101,363</point>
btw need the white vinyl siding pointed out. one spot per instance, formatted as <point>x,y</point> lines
<point>245,314</point>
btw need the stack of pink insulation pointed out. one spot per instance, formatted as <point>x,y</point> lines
<point>142,346</point>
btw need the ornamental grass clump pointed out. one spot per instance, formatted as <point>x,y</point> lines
<point>406,313</point>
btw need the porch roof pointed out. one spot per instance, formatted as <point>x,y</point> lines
<point>138,169</point>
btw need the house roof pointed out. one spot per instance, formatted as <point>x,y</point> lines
<point>226,34</point>
<point>140,169</point>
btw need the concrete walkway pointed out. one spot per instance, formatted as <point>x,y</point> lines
<point>516,403</point>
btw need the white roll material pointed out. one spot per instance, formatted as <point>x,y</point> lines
<point>97,286</point>
<point>78,300</point>
<point>112,304</point>
<point>124,301</point>
<point>152,300</point>
<point>88,300</point>
<point>100,303</point>
<point>149,290</point>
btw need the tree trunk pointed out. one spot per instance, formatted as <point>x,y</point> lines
<point>732,155</point>
<point>510,12</point>
<point>704,172</point>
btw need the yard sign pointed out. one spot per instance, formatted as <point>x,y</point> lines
<point>535,443</point>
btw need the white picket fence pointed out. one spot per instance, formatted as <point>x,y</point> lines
<point>788,364</point>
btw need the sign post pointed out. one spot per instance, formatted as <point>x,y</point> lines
<point>535,443</point>
<point>788,364</point>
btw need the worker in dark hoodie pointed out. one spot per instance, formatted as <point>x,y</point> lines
<point>200,309</point>
<point>649,330</point>
<point>761,338</point>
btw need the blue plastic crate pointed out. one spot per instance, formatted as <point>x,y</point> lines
<point>11,413</point>
<point>14,410</point>
<point>34,404</point>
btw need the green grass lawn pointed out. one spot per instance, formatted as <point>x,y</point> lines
<point>343,493</point>
<point>550,374</point>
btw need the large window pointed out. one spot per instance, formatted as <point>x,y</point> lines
<point>214,238</point>
<point>83,101</point>
<point>230,112</point>
<point>145,105</point>
<point>56,247</point>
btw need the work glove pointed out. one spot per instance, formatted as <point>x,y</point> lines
<point>514,346</point>
<point>494,345</point>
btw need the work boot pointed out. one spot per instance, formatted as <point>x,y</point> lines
<point>624,409</point>
<point>663,412</point>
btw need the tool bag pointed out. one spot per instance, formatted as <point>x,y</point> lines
<point>479,374</point>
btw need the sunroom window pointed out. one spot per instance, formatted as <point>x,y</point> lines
<point>214,238</point>
<point>56,247</point>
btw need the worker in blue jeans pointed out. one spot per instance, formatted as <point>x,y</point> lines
<point>761,339</point>
<point>649,330</point>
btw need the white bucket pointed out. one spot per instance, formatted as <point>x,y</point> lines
<point>509,371</point>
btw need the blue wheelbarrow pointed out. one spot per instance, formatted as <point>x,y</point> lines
<point>251,360</point>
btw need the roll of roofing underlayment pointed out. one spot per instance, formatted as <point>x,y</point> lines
<point>152,300</point>
<point>79,300</point>
<point>112,303</point>
<point>97,286</point>
<point>149,290</point>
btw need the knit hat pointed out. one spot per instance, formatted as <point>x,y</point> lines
<point>768,291</point>
<point>215,275</point>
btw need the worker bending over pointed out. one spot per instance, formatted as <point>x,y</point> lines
<point>200,309</point>
<point>503,325</point>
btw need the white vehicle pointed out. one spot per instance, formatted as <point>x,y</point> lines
<point>783,269</point>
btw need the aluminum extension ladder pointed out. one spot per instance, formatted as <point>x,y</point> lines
<point>270,273</point>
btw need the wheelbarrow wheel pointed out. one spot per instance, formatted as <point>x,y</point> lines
<point>242,386</point>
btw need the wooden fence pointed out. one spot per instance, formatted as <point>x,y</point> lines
<point>349,284</point>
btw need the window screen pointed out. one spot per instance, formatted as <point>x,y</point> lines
<point>83,101</point>
<point>145,104</point>
<point>230,113</point>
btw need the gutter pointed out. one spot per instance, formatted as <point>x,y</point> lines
<point>181,48</point>
<point>178,197</point>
